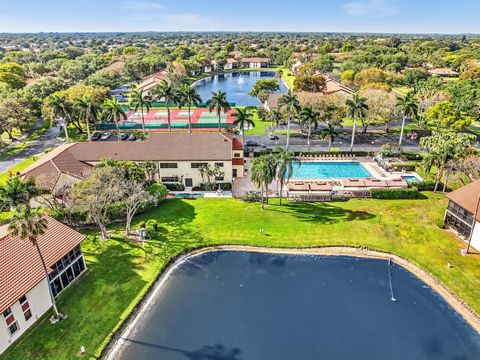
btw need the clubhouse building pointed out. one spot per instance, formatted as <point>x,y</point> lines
<point>463,213</point>
<point>24,294</point>
<point>178,156</point>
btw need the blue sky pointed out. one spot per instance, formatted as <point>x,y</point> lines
<point>430,16</point>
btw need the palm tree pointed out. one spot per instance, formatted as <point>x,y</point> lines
<point>285,161</point>
<point>357,107</point>
<point>30,224</point>
<point>275,116</point>
<point>263,170</point>
<point>170,94</point>
<point>18,193</point>
<point>113,111</point>
<point>291,104</point>
<point>279,73</point>
<point>409,108</point>
<point>87,110</point>
<point>310,118</point>
<point>191,97</point>
<point>219,103</point>
<point>243,119</point>
<point>58,106</point>
<point>138,101</point>
<point>329,132</point>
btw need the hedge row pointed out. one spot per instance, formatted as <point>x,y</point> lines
<point>427,185</point>
<point>409,193</point>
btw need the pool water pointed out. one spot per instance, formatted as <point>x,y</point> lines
<point>237,85</point>
<point>410,178</point>
<point>227,305</point>
<point>329,170</point>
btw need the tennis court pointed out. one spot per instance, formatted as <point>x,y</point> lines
<point>201,118</point>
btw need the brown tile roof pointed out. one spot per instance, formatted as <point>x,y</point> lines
<point>442,71</point>
<point>272,101</point>
<point>160,146</point>
<point>353,182</point>
<point>231,61</point>
<point>255,60</point>
<point>320,186</point>
<point>237,161</point>
<point>152,81</point>
<point>467,197</point>
<point>237,144</point>
<point>20,266</point>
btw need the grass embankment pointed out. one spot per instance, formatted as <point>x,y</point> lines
<point>120,271</point>
<point>16,148</point>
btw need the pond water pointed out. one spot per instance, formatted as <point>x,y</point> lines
<point>237,85</point>
<point>227,305</point>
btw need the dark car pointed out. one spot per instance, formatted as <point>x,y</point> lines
<point>124,136</point>
<point>250,143</point>
<point>273,137</point>
<point>96,136</point>
<point>132,137</point>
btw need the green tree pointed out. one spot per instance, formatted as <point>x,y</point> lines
<point>30,224</point>
<point>17,192</point>
<point>285,161</point>
<point>170,95</point>
<point>310,118</point>
<point>330,133</point>
<point>192,98</point>
<point>444,115</point>
<point>243,119</point>
<point>357,108</point>
<point>264,86</point>
<point>309,83</point>
<point>114,112</point>
<point>219,103</point>
<point>275,116</point>
<point>263,170</point>
<point>290,103</point>
<point>58,106</point>
<point>139,101</point>
<point>408,106</point>
<point>87,110</point>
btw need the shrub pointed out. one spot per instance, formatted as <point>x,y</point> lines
<point>409,193</point>
<point>427,185</point>
<point>252,196</point>
<point>151,228</point>
<point>213,187</point>
<point>141,224</point>
<point>158,190</point>
<point>174,186</point>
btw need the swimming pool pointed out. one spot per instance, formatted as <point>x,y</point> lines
<point>237,85</point>
<point>329,170</point>
<point>410,178</point>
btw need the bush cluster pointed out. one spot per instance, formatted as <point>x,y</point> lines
<point>252,196</point>
<point>408,193</point>
<point>427,185</point>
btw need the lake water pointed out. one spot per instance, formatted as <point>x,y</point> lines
<point>252,306</point>
<point>237,85</point>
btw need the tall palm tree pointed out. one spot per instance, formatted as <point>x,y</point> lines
<point>30,224</point>
<point>285,161</point>
<point>17,192</point>
<point>279,73</point>
<point>219,103</point>
<point>243,119</point>
<point>275,116</point>
<point>138,101</point>
<point>191,97</point>
<point>87,110</point>
<point>59,108</point>
<point>170,94</point>
<point>409,108</point>
<point>310,118</point>
<point>113,111</point>
<point>357,108</point>
<point>291,104</point>
<point>329,132</point>
<point>262,171</point>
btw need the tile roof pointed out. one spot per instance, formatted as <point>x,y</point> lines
<point>255,60</point>
<point>20,266</point>
<point>467,197</point>
<point>442,71</point>
<point>237,144</point>
<point>272,101</point>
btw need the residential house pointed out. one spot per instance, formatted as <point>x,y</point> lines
<point>149,82</point>
<point>24,294</point>
<point>463,213</point>
<point>256,62</point>
<point>272,101</point>
<point>231,64</point>
<point>443,72</point>
<point>179,156</point>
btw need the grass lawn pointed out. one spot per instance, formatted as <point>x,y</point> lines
<point>402,90</point>
<point>13,150</point>
<point>120,271</point>
<point>17,168</point>
<point>260,126</point>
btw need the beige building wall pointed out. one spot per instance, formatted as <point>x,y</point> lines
<point>185,171</point>
<point>39,300</point>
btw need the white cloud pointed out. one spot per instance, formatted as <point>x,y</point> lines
<point>371,7</point>
<point>142,5</point>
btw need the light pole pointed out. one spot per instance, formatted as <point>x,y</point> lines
<point>473,226</point>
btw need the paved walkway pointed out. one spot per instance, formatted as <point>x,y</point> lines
<point>45,141</point>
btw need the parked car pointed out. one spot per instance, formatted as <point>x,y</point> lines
<point>124,136</point>
<point>96,136</point>
<point>250,143</point>
<point>106,135</point>
<point>132,137</point>
<point>273,137</point>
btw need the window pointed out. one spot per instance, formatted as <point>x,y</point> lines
<point>10,321</point>
<point>168,165</point>
<point>237,155</point>
<point>219,164</point>
<point>7,312</point>
<point>219,178</point>
<point>13,328</point>
<point>27,313</point>
<point>65,271</point>
<point>22,299</point>
<point>198,165</point>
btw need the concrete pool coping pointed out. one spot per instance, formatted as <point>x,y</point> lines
<point>116,343</point>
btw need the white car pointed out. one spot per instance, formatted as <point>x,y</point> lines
<point>106,135</point>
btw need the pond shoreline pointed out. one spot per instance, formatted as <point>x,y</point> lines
<point>115,345</point>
